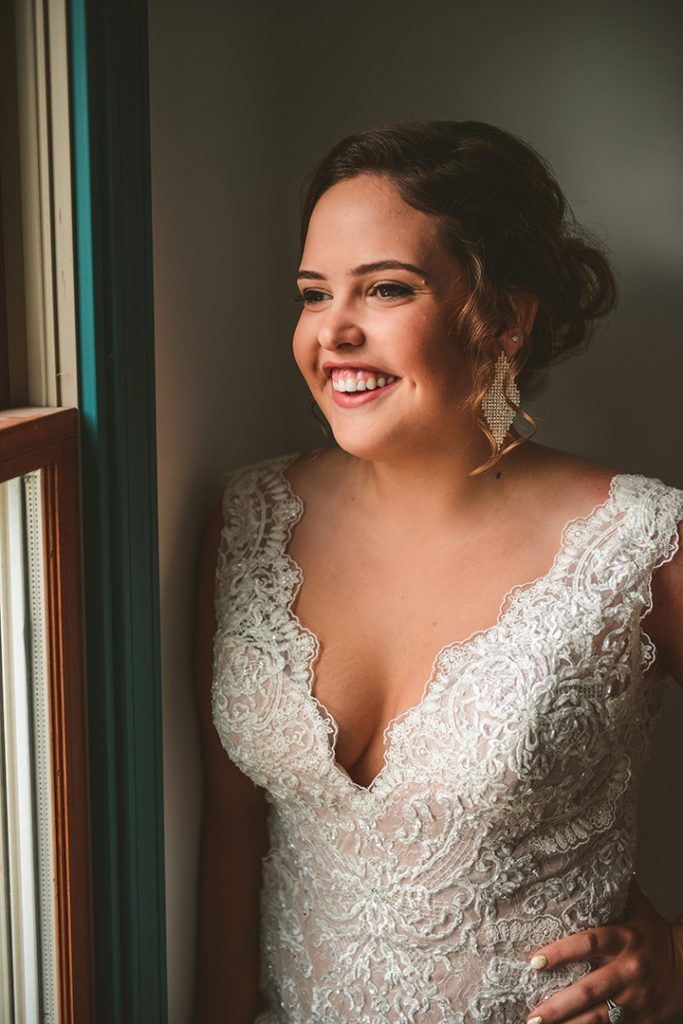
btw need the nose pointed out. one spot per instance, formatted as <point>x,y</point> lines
<point>339,327</point>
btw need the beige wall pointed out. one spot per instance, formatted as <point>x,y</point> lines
<point>244,98</point>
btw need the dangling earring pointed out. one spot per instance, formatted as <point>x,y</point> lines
<point>495,407</point>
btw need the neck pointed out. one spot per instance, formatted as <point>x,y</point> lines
<point>426,489</point>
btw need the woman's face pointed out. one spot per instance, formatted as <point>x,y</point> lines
<point>375,340</point>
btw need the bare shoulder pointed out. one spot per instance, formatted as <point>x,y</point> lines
<point>578,486</point>
<point>567,486</point>
<point>322,478</point>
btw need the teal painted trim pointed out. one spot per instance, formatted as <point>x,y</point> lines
<point>110,125</point>
<point>106,920</point>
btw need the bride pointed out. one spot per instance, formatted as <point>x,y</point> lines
<point>437,647</point>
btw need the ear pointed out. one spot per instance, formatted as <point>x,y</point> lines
<point>510,339</point>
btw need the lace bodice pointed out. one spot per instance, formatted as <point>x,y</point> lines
<point>504,816</point>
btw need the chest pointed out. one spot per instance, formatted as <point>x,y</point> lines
<point>381,617</point>
<point>356,622</point>
<point>538,700</point>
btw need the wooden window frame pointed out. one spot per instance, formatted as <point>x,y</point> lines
<point>46,440</point>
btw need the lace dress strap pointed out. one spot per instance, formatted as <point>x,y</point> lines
<point>262,656</point>
<point>656,511</point>
<point>648,514</point>
<point>259,513</point>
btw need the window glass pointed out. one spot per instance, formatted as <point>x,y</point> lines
<point>28,947</point>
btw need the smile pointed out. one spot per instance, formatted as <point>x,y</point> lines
<point>354,381</point>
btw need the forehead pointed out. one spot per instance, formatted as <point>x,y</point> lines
<point>365,218</point>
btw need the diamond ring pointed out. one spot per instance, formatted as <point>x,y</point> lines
<point>616,1013</point>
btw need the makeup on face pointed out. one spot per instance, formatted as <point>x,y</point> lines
<point>375,333</point>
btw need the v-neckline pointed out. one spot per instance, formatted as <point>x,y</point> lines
<point>522,589</point>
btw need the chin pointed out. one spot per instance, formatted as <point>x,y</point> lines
<point>358,444</point>
<point>371,446</point>
<point>355,447</point>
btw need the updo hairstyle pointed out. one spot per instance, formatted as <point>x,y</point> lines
<point>503,216</point>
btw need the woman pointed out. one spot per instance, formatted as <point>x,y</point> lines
<point>458,850</point>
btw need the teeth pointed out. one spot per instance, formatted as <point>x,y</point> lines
<point>358,383</point>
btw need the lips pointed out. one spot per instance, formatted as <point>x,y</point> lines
<point>354,385</point>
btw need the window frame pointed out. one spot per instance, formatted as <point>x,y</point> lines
<point>46,440</point>
<point>112,212</point>
<point>117,963</point>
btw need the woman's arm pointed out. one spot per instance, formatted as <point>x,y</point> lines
<point>233,842</point>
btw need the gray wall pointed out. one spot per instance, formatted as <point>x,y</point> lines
<point>244,99</point>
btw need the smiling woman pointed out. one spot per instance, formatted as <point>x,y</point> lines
<point>436,648</point>
<point>371,312</point>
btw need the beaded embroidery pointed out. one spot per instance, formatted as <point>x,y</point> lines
<point>504,816</point>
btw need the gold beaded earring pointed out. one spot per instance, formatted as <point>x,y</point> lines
<point>496,403</point>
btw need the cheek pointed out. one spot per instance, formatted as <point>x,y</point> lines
<point>298,346</point>
<point>303,350</point>
<point>446,367</point>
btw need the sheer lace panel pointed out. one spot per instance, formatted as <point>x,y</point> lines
<point>504,816</point>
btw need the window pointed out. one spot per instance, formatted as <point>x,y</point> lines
<point>44,904</point>
<point>76,209</point>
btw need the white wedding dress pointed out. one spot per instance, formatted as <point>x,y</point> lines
<point>504,815</point>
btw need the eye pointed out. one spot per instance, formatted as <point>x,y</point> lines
<point>391,290</point>
<point>312,297</point>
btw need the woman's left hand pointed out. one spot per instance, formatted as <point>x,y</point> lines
<point>640,970</point>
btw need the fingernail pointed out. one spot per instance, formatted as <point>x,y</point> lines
<point>535,1020</point>
<point>537,963</point>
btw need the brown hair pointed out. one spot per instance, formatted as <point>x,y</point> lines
<point>505,219</point>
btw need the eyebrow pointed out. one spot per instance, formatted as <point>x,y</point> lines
<point>368,268</point>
